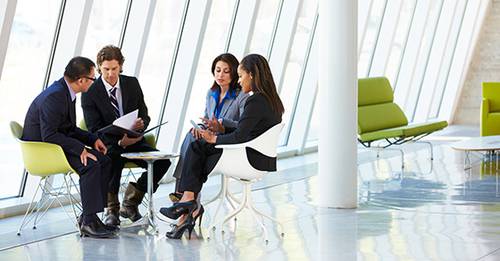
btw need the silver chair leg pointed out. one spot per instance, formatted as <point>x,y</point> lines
<point>430,147</point>
<point>29,210</point>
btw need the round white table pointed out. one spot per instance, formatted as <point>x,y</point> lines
<point>488,144</point>
<point>148,220</point>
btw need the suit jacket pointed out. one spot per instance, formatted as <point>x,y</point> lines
<point>231,111</point>
<point>98,111</point>
<point>51,118</point>
<point>257,118</point>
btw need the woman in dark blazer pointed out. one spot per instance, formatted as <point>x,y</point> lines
<point>223,108</point>
<point>262,111</point>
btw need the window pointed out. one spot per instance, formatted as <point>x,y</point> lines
<point>22,79</point>
<point>159,54</point>
<point>213,45</point>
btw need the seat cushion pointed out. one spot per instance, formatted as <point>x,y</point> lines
<point>380,117</point>
<point>411,130</point>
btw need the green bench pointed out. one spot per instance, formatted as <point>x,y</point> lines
<point>380,119</point>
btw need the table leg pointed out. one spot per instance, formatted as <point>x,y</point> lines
<point>151,216</point>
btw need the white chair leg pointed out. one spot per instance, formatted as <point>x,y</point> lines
<point>223,182</point>
<point>220,195</point>
<point>236,211</point>
<point>269,217</point>
<point>249,205</point>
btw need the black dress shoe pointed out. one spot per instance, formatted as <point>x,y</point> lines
<point>112,219</point>
<point>112,228</point>
<point>179,209</point>
<point>95,229</point>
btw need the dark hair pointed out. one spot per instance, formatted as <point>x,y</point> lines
<point>262,80</point>
<point>233,66</point>
<point>78,67</point>
<point>109,53</point>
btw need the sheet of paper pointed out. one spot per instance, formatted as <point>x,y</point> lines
<point>127,121</point>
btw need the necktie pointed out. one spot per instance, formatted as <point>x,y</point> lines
<point>114,102</point>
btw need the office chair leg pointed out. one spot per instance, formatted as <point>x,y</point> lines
<point>70,197</point>
<point>270,218</point>
<point>238,210</point>
<point>223,182</point>
<point>430,147</point>
<point>29,210</point>
<point>220,195</point>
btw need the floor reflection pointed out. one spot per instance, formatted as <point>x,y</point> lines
<point>443,214</point>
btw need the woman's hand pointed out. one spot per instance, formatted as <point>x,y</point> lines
<point>208,136</point>
<point>196,133</point>
<point>213,124</point>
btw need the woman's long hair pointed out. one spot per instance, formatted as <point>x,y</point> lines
<point>233,66</point>
<point>262,80</point>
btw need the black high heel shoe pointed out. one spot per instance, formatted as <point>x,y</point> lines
<point>178,231</point>
<point>200,215</point>
<point>179,209</point>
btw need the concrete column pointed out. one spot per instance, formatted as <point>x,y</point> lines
<point>338,88</point>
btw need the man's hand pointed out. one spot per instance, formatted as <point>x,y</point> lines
<point>85,154</point>
<point>208,136</point>
<point>99,146</point>
<point>214,125</point>
<point>127,141</point>
<point>138,125</point>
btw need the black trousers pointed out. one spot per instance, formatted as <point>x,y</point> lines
<point>160,167</point>
<point>94,180</point>
<point>200,159</point>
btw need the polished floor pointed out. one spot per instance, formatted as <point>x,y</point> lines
<point>432,211</point>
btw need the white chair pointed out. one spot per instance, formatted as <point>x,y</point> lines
<point>234,163</point>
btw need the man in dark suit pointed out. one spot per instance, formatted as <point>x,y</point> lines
<point>51,118</point>
<point>112,96</point>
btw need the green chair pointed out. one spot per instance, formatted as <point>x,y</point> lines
<point>380,119</point>
<point>490,109</point>
<point>52,163</point>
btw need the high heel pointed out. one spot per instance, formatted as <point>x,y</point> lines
<point>200,215</point>
<point>179,209</point>
<point>179,230</point>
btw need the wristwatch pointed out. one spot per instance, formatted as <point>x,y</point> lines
<point>120,143</point>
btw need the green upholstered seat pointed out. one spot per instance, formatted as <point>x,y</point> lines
<point>380,118</point>
<point>490,109</point>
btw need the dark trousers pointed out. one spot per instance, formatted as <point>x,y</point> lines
<point>94,180</point>
<point>160,167</point>
<point>200,159</point>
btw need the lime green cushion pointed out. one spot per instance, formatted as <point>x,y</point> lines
<point>491,91</point>
<point>380,116</point>
<point>404,131</point>
<point>374,91</point>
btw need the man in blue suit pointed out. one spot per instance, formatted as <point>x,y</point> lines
<point>51,118</point>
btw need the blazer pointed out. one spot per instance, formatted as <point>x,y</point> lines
<point>51,118</point>
<point>98,111</point>
<point>258,116</point>
<point>231,109</point>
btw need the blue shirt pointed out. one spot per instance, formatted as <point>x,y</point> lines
<point>231,94</point>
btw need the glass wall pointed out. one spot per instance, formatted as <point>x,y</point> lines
<point>421,46</point>
<point>22,79</point>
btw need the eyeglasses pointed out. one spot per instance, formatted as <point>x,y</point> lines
<point>90,78</point>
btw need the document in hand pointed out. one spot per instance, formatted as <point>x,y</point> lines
<point>124,125</point>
